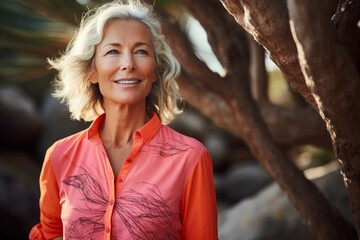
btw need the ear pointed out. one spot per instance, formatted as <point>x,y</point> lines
<point>93,78</point>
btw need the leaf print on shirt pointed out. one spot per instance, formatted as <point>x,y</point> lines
<point>144,212</point>
<point>84,228</point>
<point>165,149</point>
<point>89,187</point>
<point>92,192</point>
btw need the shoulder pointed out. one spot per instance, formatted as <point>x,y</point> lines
<point>68,143</point>
<point>174,138</point>
<point>58,156</point>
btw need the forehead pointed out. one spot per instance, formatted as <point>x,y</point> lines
<point>126,30</point>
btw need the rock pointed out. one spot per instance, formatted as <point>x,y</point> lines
<point>190,123</point>
<point>19,195</point>
<point>242,181</point>
<point>57,124</point>
<point>270,216</point>
<point>219,146</point>
<point>19,120</point>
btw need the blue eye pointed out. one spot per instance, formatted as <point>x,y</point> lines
<point>113,51</point>
<point>141,52</point>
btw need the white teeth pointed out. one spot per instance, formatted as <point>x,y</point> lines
<point>127,81</point>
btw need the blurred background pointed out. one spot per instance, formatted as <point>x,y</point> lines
<point>250,204</point>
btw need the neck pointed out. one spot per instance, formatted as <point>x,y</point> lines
<point>120,124</point>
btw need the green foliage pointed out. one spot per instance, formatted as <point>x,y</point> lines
<point>30,32</point>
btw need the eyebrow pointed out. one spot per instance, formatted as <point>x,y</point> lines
<point>137,44</point>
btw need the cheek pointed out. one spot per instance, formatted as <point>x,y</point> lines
<point>104,66</point>
<point>148,71</point>
<point>105,69</point>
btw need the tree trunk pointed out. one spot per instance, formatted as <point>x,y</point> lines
<point>331,76</point>
<point>324,221</point>
<point>322,218</point>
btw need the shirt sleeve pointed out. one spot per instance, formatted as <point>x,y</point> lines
<point>50,225</point>
<point>199,212</point>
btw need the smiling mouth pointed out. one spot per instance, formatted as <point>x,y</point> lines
<point>127,82</point>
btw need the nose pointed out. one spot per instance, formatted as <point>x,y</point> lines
<point>127,62</point>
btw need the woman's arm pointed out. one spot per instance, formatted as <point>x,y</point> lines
<point>199,211</point>
<point>50,225</point>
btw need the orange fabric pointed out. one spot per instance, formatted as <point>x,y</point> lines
<point>164,190</point>
<point>50,223</point>
<point>198,201</point>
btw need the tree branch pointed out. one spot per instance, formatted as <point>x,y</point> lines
<point>267,21</point>
<point>185,54</point>
<point>295,126</point>
<point>345,21</point>
<point>318,50</point>
<point>227,38</point>
<point>289,127</point>
<point>212,106</point>
<point>258,73</point>
<point>332,79</point>
<point>303,123</point>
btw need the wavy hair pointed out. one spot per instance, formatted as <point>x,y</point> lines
<point>72,84</point>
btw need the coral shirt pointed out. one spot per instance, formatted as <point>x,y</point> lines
<point>164,190</point>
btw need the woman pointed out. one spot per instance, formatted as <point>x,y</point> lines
<point>127,176</point>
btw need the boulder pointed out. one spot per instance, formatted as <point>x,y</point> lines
<point>56,124</point>
<point>270,216</point>
<point>19,122</point>
<point>241,181</point>
<point>19,195</point>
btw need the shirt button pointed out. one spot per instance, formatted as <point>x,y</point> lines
<point>107,229</point>
<point>111,202</point>
<point>120,179</point>
<point>129,160</point>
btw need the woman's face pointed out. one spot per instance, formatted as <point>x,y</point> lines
<point>124,63</point>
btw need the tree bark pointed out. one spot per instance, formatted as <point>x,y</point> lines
<point>259,79</point>
<point>290,127</point>
<point>334,82</point>
<point>234,109</point>
<point>345,21</point>
<point>227,39</point>
<point>267,22</point>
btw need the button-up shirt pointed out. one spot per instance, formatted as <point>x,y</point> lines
<point>164,190</point>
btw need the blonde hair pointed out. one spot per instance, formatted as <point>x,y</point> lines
<point>73,85</point>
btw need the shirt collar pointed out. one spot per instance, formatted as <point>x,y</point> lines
<point>146,132</point>
<point>93,130</point>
